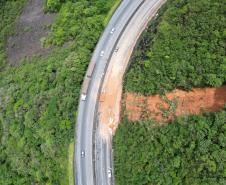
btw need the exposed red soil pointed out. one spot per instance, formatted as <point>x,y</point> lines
<point>196,101</point>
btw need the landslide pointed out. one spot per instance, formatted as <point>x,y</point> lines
<point>173,104</point>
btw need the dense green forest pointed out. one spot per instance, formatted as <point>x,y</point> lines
<point>183,48</point>
<point>189,151</point>
<point>38,99</point>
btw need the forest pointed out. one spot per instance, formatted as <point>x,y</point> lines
<point>189,151</point>
<point>183,47</point>
<point>39,98</point>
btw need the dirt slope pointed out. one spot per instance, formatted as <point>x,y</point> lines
<point>175,103</point>
<point>31,27</point>
<point>111,92</point>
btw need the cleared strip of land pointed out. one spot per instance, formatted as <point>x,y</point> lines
<point>173,104</point>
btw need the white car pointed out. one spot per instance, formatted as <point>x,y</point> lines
<point>83,97</point>
<point>109,173</point>
<point>102,53</point>
<point>83,153</point>
<point>112,30</point>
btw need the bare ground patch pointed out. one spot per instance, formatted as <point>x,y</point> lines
<point>32,25</point>
<point>173,104</point>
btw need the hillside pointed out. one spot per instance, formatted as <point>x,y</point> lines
<point>180,56</point>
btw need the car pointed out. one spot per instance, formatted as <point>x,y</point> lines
<point>109,173</point>
<point>83,154</point>
<point>112,30</point>
<point>83,97</point>
<point>116,49</point>
<point>102,53</point>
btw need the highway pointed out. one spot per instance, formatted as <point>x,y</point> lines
<point>93,163</point>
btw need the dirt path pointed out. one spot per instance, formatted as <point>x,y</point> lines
<point>175,103</point>
<point>32,25</point>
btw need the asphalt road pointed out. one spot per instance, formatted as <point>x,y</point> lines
<point>93,155</point>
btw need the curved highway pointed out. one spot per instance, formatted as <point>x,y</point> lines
<point>93,155</point>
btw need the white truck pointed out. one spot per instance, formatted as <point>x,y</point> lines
<point>85,87</point>
<point>87,80</point>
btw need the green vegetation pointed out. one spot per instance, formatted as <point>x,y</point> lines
<point>172,106</point>
<point>9,11</point>
<point>71,163</point>
<point>38,100</point>
<point>85,31</point>
<point>55,5</point>
<point>183,48</point>
<point>189,151</point>
<point>37,117</point>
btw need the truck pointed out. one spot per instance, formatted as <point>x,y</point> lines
<point>87,79</point>
<point>85,87</point>
<point>90,69</point>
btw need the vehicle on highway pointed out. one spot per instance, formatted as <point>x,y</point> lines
<point>85,88</point>
<point>112,30</point>
<point>91,69</point>
<point>109,173</point>
<point>83,154</point>
<point>102,53</point>
<point>116,49</point>
<point>83,97</point>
